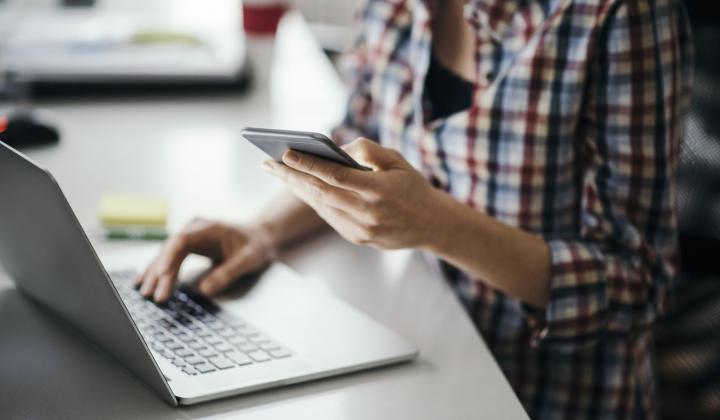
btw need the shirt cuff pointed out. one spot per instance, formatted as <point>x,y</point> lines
<point>575,315</point>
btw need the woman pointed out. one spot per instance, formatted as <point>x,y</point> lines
<point>530,145</point>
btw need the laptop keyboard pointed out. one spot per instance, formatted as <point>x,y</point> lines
<point>193,338</point>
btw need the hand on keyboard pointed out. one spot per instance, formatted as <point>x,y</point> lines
<point>194,339</point>
<point>237,250</point>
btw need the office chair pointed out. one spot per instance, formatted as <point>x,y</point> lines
<point>688,338</point>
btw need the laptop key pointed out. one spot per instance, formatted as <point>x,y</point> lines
<point>280,353</point>
<point>183,352</point>
<point>237,340</point>
<point>235,323</point>
<point>205,317</point>
<point>226,332</point>
<point>165,338</point>
<point>221,362</point>
<point>215,325</point>
<point>259,356</point>
<point>189,370</point>
<point>173,345</point>
<point>194,327</point>
<point>240,359</point>
<point>194,360</point>
<point>205,367</point>
<point>247,347</point>
<point>150,329</point>
<point>204,333</point>
<point>208,353</point>
<point>178,362</point>
<point>214,340</point>
<point>197,345</point>
<point>248,331</point>
<point>258,338</point>
<point>269,345</point>
<point>224,347</point>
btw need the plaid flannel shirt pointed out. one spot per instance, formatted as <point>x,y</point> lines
<point>572,135</point>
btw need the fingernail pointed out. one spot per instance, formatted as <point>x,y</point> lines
<point>291,157</point>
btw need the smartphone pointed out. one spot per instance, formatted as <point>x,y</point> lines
<point>276,142</point>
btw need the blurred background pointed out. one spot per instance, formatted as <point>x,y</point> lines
<point>101,86</point>
<point>47,44</point>
<point>157,84</point>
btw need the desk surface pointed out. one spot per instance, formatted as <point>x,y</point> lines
<point>188,149</point>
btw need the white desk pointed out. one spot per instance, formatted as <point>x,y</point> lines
<point>187,149</point>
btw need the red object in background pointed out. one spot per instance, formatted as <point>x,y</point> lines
<point>3,124</point>
<point>262,18</point>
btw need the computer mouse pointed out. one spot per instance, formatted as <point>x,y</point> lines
<point>27,128</point>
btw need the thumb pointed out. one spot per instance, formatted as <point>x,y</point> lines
<point>226,273</point>
<point>372,154</point>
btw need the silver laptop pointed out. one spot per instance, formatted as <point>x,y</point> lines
<point>191,349</point>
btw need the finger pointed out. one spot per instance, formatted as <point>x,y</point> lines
<point>330,172</point>
<point>337,213</point>
<point>173,253</point>
<point>344,224</point>
<point>226,273</point>
<point>371,154</point>
<point>162,277</point>
<point>164,288</point>
<point>148,285</point>
<point>353,213</point>
<point>139,279</point>
<point>316,189</point>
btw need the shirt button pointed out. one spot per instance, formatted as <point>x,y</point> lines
<point>490,76</point>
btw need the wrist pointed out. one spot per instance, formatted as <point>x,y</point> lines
<point>441,228</point>
<point>269,235</point>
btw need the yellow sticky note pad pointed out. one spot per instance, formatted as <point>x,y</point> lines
<point>128,210</point>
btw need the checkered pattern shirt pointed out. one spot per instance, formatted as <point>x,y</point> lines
<point>572,135</point>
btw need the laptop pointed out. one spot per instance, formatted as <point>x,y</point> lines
<point>191,349</point>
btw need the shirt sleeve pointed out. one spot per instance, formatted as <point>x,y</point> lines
<point>357,69</point>
<point>614,276</point>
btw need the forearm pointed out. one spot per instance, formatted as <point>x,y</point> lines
<point>287,220</point>
<point>502,256</point>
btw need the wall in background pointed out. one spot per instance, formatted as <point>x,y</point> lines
<point>338,12</point>
<point>330,21</point>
